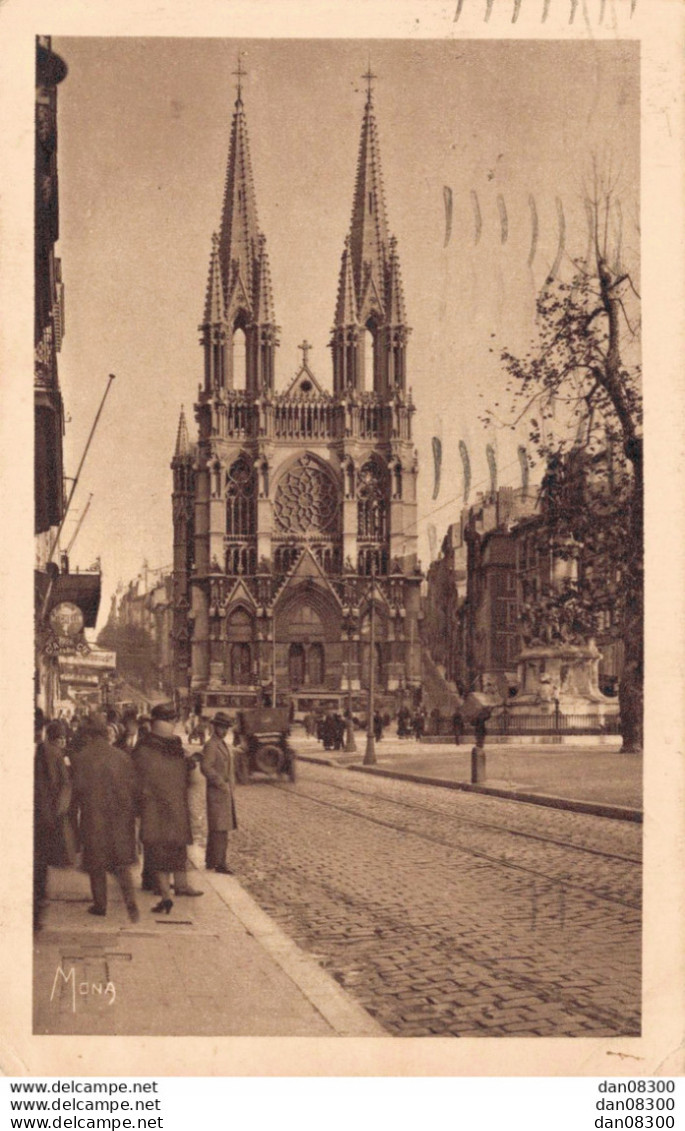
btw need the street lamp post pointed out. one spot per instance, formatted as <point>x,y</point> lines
<point>370,752</point>
<point>350,744</point>
<point>273,699</point>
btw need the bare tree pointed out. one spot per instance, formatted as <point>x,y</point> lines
<point>594,486</point>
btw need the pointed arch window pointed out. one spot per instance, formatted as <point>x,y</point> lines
<point>241,664</point>
<point>239,358</point>
<point>370,353</point>
<point>316,665</point>
<point>372,524</point>
<point>296,665</point>
<point>241,500</point>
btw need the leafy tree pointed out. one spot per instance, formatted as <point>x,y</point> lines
<point>592,493</point>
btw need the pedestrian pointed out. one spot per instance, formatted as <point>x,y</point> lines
<point>339,731</point>
<point>219,769</point>
<point>418,723</point>
<point>163,776</point>
<point>435,720</point>
<point>328,732</point>
<point>480,727</point>
<point>457,726</point>
<point>377,726</point>
<point>53,843</point>
<point>131,731</point>
<point>105,781</point>
<point>128,741</point>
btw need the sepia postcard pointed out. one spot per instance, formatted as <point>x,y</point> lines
<point>350,614</point>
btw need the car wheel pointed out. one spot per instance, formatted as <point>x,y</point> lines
<point>269,759</point>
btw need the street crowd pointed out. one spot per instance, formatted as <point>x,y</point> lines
<point>331,728</point>
<point>108,790</point>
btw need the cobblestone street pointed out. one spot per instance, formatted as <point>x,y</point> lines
<point>446,913</point>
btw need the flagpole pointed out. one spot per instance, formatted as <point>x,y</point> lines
<point>80,467</point>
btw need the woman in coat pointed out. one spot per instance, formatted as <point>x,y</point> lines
<point>163,776</point>
<point>105,782</point>
<point>217,766</point>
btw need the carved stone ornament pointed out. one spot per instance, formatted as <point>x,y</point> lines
<point>307,500</point>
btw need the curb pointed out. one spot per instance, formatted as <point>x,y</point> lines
<point>594,809</point>
<point>343,1014</point>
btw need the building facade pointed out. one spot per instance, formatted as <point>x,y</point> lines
<point>496,563</point>
<point>295,510</point>
<point>443,623</point>
<point>140,630</point>
<point>65,602</point>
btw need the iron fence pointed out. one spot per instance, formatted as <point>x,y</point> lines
<point>555,723</point>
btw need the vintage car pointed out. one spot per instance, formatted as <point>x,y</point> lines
<point>261,741</point>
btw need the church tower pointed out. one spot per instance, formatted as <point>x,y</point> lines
<point>295,509</point>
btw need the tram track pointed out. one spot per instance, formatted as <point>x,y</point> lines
<point>412,806</point>
<point>563,882</point>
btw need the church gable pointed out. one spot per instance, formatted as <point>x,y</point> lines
<point>372,305</point>
<point>240,595</point>
<point>305,384</point>
<point>307,574</point>
<point>239,302</point>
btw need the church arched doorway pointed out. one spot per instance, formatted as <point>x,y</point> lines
<point>308,631</point>
<point>316,665</point>
<point>239,644</point>
<point>296,666</point>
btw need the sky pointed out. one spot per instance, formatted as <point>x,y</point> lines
<point>510,128</point>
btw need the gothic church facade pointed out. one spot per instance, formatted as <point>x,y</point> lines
<point>295,510</point>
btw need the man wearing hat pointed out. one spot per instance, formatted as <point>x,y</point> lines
<point>219,770</point>
<point>129,738</point>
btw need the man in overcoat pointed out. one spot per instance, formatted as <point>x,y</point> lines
<point>105,782</point>
<point>219,769</point>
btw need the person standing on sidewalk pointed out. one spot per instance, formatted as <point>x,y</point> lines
<point>129,739</point>
<point>163,775</point>
<point>52,842</point>
<point>105,782</point>
<point>219,769</point>
<point>457,726</point>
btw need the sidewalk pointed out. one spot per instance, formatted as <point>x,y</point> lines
<point>216,966</point>
<point>590,779</point>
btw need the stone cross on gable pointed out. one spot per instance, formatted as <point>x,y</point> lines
<point>305,347</point>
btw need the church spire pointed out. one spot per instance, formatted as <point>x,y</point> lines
<point>239,237</point>
<point>396,312</point>
<point>346,306</point>
<point>370,296</point>
<point>214,300</point>
<point>240,277</point>
<point>369,227</point>
<point>182,441</point>
<point>213,328</point>
<point>264,312</point>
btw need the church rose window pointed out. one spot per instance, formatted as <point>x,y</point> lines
<point>307,500</point>
<point>240,499</point>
